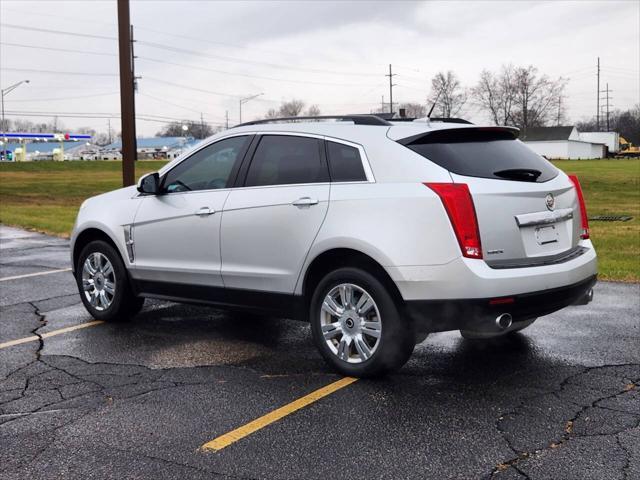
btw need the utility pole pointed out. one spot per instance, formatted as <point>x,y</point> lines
<point>226,119</point>
<point>598,99</point>
<point>201,126</point>
<point>382,104</point>
<point>109,130</point>
<point>391,85</point>
<point>127,94</point>
<point>559,110</point>
<point>607,98</point>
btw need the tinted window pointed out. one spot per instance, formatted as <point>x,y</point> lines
<point>283,160</point>
<point>207,169</point>
<point>345,163</point>
<point>486,154</point>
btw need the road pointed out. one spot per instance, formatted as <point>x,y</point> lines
<point>140,399</point>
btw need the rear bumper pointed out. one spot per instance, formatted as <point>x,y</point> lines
<point>479,314</point>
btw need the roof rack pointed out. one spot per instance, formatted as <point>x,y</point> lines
<point>356,119</point>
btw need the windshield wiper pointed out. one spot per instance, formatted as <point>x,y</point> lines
<point>526,174</point>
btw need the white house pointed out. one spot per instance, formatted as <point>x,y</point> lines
<point>561,142</point>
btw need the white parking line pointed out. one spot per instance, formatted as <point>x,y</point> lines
<point>36,274</point>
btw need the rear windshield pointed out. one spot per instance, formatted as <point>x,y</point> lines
<point>486,154</point>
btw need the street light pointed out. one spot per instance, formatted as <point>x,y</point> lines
<point>245,100</point>
<point>3,92</point>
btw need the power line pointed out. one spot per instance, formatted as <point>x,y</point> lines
<point>56,72</point>
<point>55,49</point>
<point>260,77</point>
<point>195,89</point>
<point>63,98</point>
<point>253,62</point>
<point>56,32</point>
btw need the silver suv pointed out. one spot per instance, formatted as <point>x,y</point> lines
<point>375,232</point>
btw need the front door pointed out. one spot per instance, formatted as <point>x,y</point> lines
<point>268,225</point>
<point>176,234</point>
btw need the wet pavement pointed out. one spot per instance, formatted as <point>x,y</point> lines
<point>138,400</point>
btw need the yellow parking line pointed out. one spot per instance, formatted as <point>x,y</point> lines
<point>251,427</point>
<point>53,333</point>
<point>36,274</point>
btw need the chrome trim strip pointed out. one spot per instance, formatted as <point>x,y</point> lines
<point>543,218</point>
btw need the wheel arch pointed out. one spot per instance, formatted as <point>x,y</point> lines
<point>334,258</point>
<point>89,235</point>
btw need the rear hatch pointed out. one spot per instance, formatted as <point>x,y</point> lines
<point>527,210</point>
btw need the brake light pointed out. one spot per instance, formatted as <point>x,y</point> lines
<point>462,214</point>
<point>583,208</point>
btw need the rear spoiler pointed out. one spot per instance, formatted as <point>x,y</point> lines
<point>466,134</point>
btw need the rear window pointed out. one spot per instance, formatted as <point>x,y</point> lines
<point>482,153</point>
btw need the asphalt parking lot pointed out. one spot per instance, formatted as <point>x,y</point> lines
<point>140,399</point>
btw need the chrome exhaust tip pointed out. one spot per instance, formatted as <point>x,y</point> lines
<point>503,321</point>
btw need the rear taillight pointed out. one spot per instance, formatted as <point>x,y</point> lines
<point>459,206</point>
<point>583,208</point>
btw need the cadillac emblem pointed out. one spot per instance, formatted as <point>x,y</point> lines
<point>550,201</point>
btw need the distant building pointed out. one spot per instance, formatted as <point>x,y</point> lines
<point>610,139</point>
<point>562,142</point>
<point>152,148</point>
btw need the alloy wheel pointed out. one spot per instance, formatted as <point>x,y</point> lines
<point>350,322</point>
<point>98,281</point>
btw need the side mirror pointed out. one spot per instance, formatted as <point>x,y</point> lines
<point>149,184</point>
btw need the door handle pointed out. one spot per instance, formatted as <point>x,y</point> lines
<point>205,211</point>
<point>305,202</point>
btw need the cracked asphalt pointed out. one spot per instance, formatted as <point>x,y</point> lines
<point>137,400</point>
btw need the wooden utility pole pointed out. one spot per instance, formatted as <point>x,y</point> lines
<point>127,95</point>
<point>391,85</point>
<point>598,99</point>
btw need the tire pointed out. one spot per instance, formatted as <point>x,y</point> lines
<point>108,296</point>
<point>354,348</point>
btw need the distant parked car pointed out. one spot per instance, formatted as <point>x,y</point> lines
<point>6,156</point>
<point>375,232</point>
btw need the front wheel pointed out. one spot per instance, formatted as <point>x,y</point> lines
<point>104,284</point>
<point>356,324</point>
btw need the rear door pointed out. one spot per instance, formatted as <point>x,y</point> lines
<point>269,223</point>
<point>527,209</point>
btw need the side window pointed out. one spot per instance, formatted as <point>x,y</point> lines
<point>283,160</point>
<point>345,163</point>
<point>207,169</point>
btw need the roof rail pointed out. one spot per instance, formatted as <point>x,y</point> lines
<point>356,119</point>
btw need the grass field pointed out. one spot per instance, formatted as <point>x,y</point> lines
<point>45,196</point>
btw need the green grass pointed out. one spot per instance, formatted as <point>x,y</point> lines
<point>612,187</point>
<point>45,196</point>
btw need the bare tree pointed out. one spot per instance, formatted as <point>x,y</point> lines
<point>625,122</point>
<point>495,94</point>
<point>520,96</point>
<point>447,94</point>
<point>194,129</point>
<point>537,97</point>
<point>313,111</point>
<point>413,110</point>
<point>292,108</point>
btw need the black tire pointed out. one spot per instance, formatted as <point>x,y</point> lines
<point>124,304</point>
<point>397,338</point>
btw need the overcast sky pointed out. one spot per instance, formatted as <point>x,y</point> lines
<point>333,54</point>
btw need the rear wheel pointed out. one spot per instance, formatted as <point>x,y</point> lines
<point>104,284</point>
<point>356,324</point>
